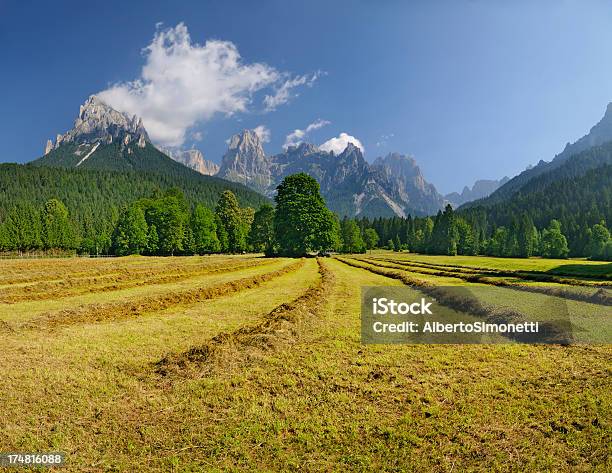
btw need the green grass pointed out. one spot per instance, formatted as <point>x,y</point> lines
<point>574,267</point>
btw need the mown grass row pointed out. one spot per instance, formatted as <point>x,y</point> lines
<point>76,268</point>
<point>113,282</point>
<point>600,297</point>
<point>558,277</point>
<point>134,308</point>
<point>469,305</point>
<point>279,327</point>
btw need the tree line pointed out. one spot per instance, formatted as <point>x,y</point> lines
<point>463,233</point>
<point>166,224</point>
<point>169,224</point>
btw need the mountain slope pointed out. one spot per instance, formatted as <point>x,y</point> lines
<point>599,134</point>
<point>577,203</point>
<point>94,197</point>
<point>391,186</point>
<point>103,139</point>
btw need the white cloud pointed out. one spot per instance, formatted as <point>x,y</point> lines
<point>284,93</point>
<point>263,132</point>
<point>183,83</point>
<point>297,136</point>
<point>338,144</point>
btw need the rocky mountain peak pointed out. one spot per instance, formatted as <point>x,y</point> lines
<point>245,161</point>
<point>194,159</point>
<point>351,186</point>
<point>399,165</point>
<point>305,149</point>
<point>97,122</point>
<point>246,141</point>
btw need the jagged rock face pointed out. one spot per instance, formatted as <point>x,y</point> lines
<point>104,139</point>
<point>481,188</point>
<point>194,159</point>
<point>405,182</point>
<point>99,123</point>
<point>350,186</point>
<point>245,162</point>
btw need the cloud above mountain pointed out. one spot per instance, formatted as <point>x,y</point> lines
<point>263,132</point>
<point>339,143</point>
<point>284,93</point>
<point>297,136</point>
<point>183,83</point>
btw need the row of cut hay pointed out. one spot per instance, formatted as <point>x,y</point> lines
<point>73,269</point>
<point>113,282</point>
<point>466,304</point>
<point>279,327</point>
<point>134,308</point>
<point>599,297</point>
<point>539,276</point>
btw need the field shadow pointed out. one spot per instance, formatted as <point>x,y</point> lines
<point>598,271</point>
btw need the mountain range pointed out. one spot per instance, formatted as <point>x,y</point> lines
<point>393,185</point>
<point>105,139</point>
<point>481,188</point>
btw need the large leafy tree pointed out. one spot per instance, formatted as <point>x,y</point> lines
<point>22,229</point>
<point>204,231</point>
<point>57,229</point>
<point>352,242</point>
<point>131,233</point>
<point>261,235</point>
<point>554,243</point>
<point>599,241</point>
<point>170,218</point>
<point>302,222</point>
<point>232,219</point>
<point>370,238</point>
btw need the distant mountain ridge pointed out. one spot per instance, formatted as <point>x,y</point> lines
<point>194,159</point>
<point>481,188</point>
<point>393,185</point>
<point>571,162</point>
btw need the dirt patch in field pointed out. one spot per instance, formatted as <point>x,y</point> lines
<point>280,327</point>
<point>134,308</point>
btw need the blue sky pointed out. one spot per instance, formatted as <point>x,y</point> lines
<point>475,89</point>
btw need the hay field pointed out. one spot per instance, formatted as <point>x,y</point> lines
<point>245,363</point>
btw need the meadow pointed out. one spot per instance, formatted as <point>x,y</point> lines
<point>228,363</point>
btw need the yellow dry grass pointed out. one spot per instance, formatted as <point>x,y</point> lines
<point>272,376</point>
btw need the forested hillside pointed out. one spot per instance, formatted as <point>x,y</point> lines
<point>565,217</point>
<point>94,198</point>
<point>546,173</point>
